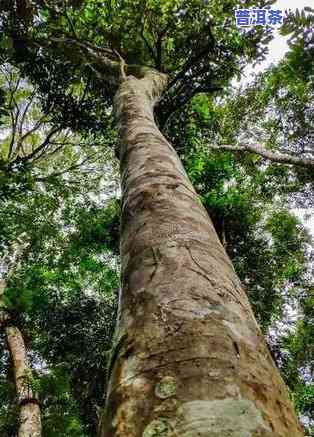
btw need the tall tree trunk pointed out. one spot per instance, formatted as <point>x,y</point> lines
<point>29,416</point>
<point>189,358</point>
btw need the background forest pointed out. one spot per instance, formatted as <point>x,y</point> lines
<point>60,209</point>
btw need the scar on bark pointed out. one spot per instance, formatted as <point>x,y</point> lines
<point>29,400</point>
<point>204,272</point>
<point>117,350</point>
<point>156,263</point>
<point>205,275</point>
<point>235,345</point>
<point>199,273</point>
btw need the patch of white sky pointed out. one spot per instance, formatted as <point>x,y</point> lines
<point>278,46</point>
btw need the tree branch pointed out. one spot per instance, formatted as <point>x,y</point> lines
<point>159,52</point>
<point>102,58</point>
<point>36,127</point>
<point>192,61</point>
<point>149,47</point>
<point>69,20</point>
<point>45,143</point>
<point>103,61</point>
<point>122,66</point>
<point>13,132</point>
<point>14,117</point>
<point>60,173</point>
<point>282,158</point>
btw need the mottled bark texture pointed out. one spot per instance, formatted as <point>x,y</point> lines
<point>30,419</point>
<point>29,416</point>
<point>188,359</point>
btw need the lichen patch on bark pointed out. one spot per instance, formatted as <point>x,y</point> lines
<point>221,418</point>
<point>166,387</point>
<point>158,428</point>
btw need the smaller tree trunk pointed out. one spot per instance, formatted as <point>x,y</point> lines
<point>30,420</point>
